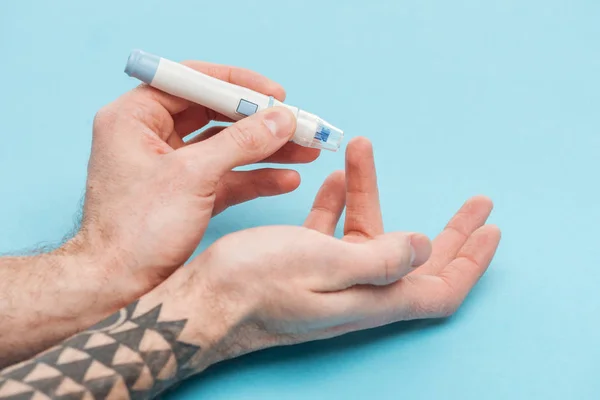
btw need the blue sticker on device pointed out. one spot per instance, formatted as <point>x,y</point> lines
<point>323,133</point>
<point>246,108</point>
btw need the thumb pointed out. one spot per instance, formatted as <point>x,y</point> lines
<point>380,261</point>
<point>247,141</point>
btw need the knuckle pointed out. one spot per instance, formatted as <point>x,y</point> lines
<point>104,118</point>
<point>229,196</point>
<point>150,113</point>
<point>396,260</point>
<point>440,305</point>
<point>183,168</point>
<point>219,253</point>
<point>248,137</point>
<point>447,308</point>
<point>182,164</point>
<point>427,308</point>
<point>217,250</point>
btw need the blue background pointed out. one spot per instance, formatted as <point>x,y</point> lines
<point>459,98</point>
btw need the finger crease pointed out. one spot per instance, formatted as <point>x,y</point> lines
<point>358,233</point>
<point>468,258</point>
<point>323,209</point>
<point>463,235</point>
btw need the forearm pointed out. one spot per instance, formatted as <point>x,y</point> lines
<point>138,352</point>
<point>48,297</point>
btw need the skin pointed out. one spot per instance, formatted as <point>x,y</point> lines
<point>149,198</point>
<point>318,286</point>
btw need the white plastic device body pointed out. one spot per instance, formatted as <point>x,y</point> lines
<point>233,101</point>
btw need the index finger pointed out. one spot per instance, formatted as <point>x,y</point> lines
<point>195,116</point>
<point>158,101</point>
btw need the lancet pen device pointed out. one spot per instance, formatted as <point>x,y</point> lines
<point>231,100</point>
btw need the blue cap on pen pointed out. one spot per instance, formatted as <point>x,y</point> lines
<point>142,65</point>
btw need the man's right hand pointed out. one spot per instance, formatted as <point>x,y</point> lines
<point>150,196</point>
<point>148,201</point>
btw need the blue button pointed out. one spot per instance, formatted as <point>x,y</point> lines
<point>246,108</point>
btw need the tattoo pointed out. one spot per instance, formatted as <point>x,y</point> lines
<point>129,355</point>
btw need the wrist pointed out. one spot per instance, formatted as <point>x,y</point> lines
<point>94,277</point>
<point>51,296</point>
<point>216,317</point>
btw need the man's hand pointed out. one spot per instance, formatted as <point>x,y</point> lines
<point>150,195</point>
<point>148,201</point>
<point>271,286</point>
<point>280,285</point>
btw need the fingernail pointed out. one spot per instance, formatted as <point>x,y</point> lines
<point>420,248</point>
<point>413,255</point>
<point>279,123</point>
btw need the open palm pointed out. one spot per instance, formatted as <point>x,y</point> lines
<point>460,254</point>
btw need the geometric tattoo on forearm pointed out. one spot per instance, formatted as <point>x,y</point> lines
<point>125,356</point>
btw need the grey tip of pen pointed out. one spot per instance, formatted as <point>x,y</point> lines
<point>142,65</point>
